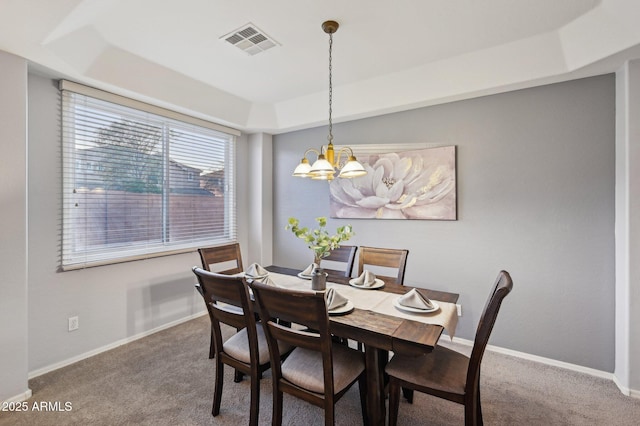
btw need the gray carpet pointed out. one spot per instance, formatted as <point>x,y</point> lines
<point>167,379</point>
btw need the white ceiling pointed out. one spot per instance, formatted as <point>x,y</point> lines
<point>387,56</point>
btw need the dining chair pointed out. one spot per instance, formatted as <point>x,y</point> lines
<point>345,255</point>
<point>384,257</point>
<point>227,257</point>
<point>445,373</point>
<point>316,371</point>
<point>221,257</point>
<point>228,302</point>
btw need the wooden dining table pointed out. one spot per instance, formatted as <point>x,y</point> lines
<point>380,333</point>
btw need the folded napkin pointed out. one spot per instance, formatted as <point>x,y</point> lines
<point>309,269</point>
<point>254,271</point>
<point>335,300</point>
<point>366,279</point>
<point>415,299</point>
<point>266,281</point>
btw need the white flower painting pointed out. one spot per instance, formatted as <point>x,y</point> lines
<point>418,184</point>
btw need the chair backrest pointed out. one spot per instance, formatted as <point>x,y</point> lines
<point>501,288</point>
<point>228,302</point>
<point>385,257</point>
<point>343,254</point>
<point>225,259</point>
<point>305,308</point>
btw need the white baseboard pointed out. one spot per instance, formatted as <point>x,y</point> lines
<point>625,390</point>
<point>110,346</point>
<point>20,397</point>
<point>555,363</point>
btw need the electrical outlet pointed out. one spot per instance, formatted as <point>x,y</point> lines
<point>73,323</point>
<point>459,308</point>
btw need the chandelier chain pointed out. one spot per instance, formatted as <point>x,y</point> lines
<point>330,137</point>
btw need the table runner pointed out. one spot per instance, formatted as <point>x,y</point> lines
<point>378,301</point>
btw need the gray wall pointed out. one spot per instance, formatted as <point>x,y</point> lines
<point>536,176</point>
<point>114,302</point>
<point>13,227</point>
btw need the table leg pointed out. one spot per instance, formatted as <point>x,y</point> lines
<point>375,386</point>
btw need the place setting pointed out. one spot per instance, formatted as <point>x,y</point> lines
<point>337,304</point>
<point>255,271</point>
<point>307,273</point>
<point>415,302</point>
<point>367,280</point>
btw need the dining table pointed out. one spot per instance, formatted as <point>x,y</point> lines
<point>382,328</point>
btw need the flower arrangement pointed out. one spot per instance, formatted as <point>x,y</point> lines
<point>318,239</point>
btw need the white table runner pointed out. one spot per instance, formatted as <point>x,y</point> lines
<point>378,301</point>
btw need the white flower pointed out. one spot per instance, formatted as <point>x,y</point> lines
<point>395,187</point>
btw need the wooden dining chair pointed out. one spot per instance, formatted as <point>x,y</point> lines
<point>229,259</point>
<point>225,259</point>
<point>446,373</point>
<point>384,257</point>
<point>345,255</point>
<point>228,302</point>
<point>316,371</point>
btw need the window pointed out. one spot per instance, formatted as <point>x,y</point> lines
<point>140,181</point>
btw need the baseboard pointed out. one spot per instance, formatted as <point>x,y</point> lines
<point>20,397</point>
<point>110,346</point>
<point>555,363</point>
<point>625,390</point>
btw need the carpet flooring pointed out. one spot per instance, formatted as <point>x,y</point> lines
<point>167,379</point>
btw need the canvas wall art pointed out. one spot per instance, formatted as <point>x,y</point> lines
<point>399,184</point>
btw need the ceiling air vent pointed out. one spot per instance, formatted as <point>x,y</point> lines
<point>250,39</point>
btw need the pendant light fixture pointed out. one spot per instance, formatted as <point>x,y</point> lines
<point>328,162</point>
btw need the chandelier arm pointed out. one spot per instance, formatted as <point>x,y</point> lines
<point>343,149</point>
<point>311,150</point>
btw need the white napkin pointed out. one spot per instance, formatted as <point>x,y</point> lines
<point>335,300</point>
<point>266,281</point>
<point>254,271</point>
<point>366,279</point>
<point>309,269</point>
<point>415,299</point>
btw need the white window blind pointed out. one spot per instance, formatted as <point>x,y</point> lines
<point>139,184</point>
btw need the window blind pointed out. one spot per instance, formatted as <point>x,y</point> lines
<point>139,184</point>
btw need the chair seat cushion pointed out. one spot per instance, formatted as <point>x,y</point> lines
<point>303,368</point>
<point>443,371</point>
<point>237,346</point>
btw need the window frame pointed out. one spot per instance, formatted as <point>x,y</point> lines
<point>70,258</point>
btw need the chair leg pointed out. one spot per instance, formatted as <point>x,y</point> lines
<point>478,409</point>
<point>255,399</point>
<point>472,411</point>
<point>394,401</point>
<point>237,376</point>
<point>408,395</point>
<point>276,416</point>
<point>217,390</point>
<point>362,386</point>
<point>212,349</point>
<point>329,415</point>
<point>469,414</point>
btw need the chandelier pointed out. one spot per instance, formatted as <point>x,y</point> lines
<point>327,162</point>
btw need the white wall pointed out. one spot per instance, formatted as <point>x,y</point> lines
<point>13,227</point>
<point>259,191</point>
<point>627,368</point>
<point>536,176</point>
